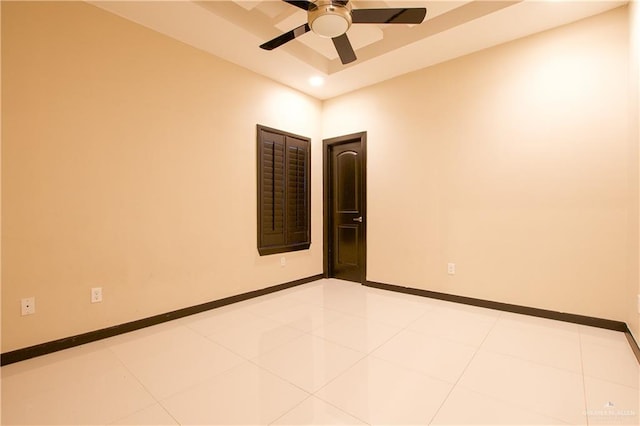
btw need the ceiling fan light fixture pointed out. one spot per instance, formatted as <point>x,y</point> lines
<point>329,20</point>
<point>333,18</point>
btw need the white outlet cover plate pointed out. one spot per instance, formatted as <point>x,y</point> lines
<point>96,294</point>
<point>28,306</point>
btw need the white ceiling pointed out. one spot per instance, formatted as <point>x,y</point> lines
<point>233,30</point>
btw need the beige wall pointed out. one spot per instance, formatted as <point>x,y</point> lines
<point>512,163</point>
<point>0,183</point>
<point>128,162</point>
<point>634,287</point>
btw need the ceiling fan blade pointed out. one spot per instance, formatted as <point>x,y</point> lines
<point>288,36</point>
<point>302,4</point>
<point>389,16</point>
<point>344,48</point>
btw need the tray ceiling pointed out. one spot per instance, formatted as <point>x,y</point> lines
<point>233,30</point>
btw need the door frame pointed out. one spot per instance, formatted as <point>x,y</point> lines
<point>327,144</point>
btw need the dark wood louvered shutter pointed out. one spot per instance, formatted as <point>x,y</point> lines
<point>272,194</point>
<point>283,192</point>
<point>297,163</point>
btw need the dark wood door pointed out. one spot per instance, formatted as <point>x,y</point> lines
<point>346,200</point>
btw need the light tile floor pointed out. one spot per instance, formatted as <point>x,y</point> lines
<point>334,352</point>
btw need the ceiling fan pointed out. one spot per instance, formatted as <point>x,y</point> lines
<point>332,19</point>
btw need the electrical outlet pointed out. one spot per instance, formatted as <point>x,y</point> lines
<point>28,306</point>
<point>451,268</point>
<point>96,295</point>
<point>283,261</point>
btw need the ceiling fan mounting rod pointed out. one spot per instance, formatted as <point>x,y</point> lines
<point>330,18</point>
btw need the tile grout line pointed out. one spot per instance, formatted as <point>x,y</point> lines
<point>158,402</point>
<point>314,393</point>
<point>366,355</point>
<point>584,382</point>
<point>303,333</point>
<point>475,352</point>
<point>290,410</point>
<point>245,361</point>
<point>521,407</point>
<point>538,364</point>
<point>309,333</point>
<point>338,408</point>
<point>534,362</point>
<point>603,379</point>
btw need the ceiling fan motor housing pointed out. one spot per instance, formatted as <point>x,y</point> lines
<point>330,18</point>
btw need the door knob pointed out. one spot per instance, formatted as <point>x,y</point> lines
<point>358,219</point>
